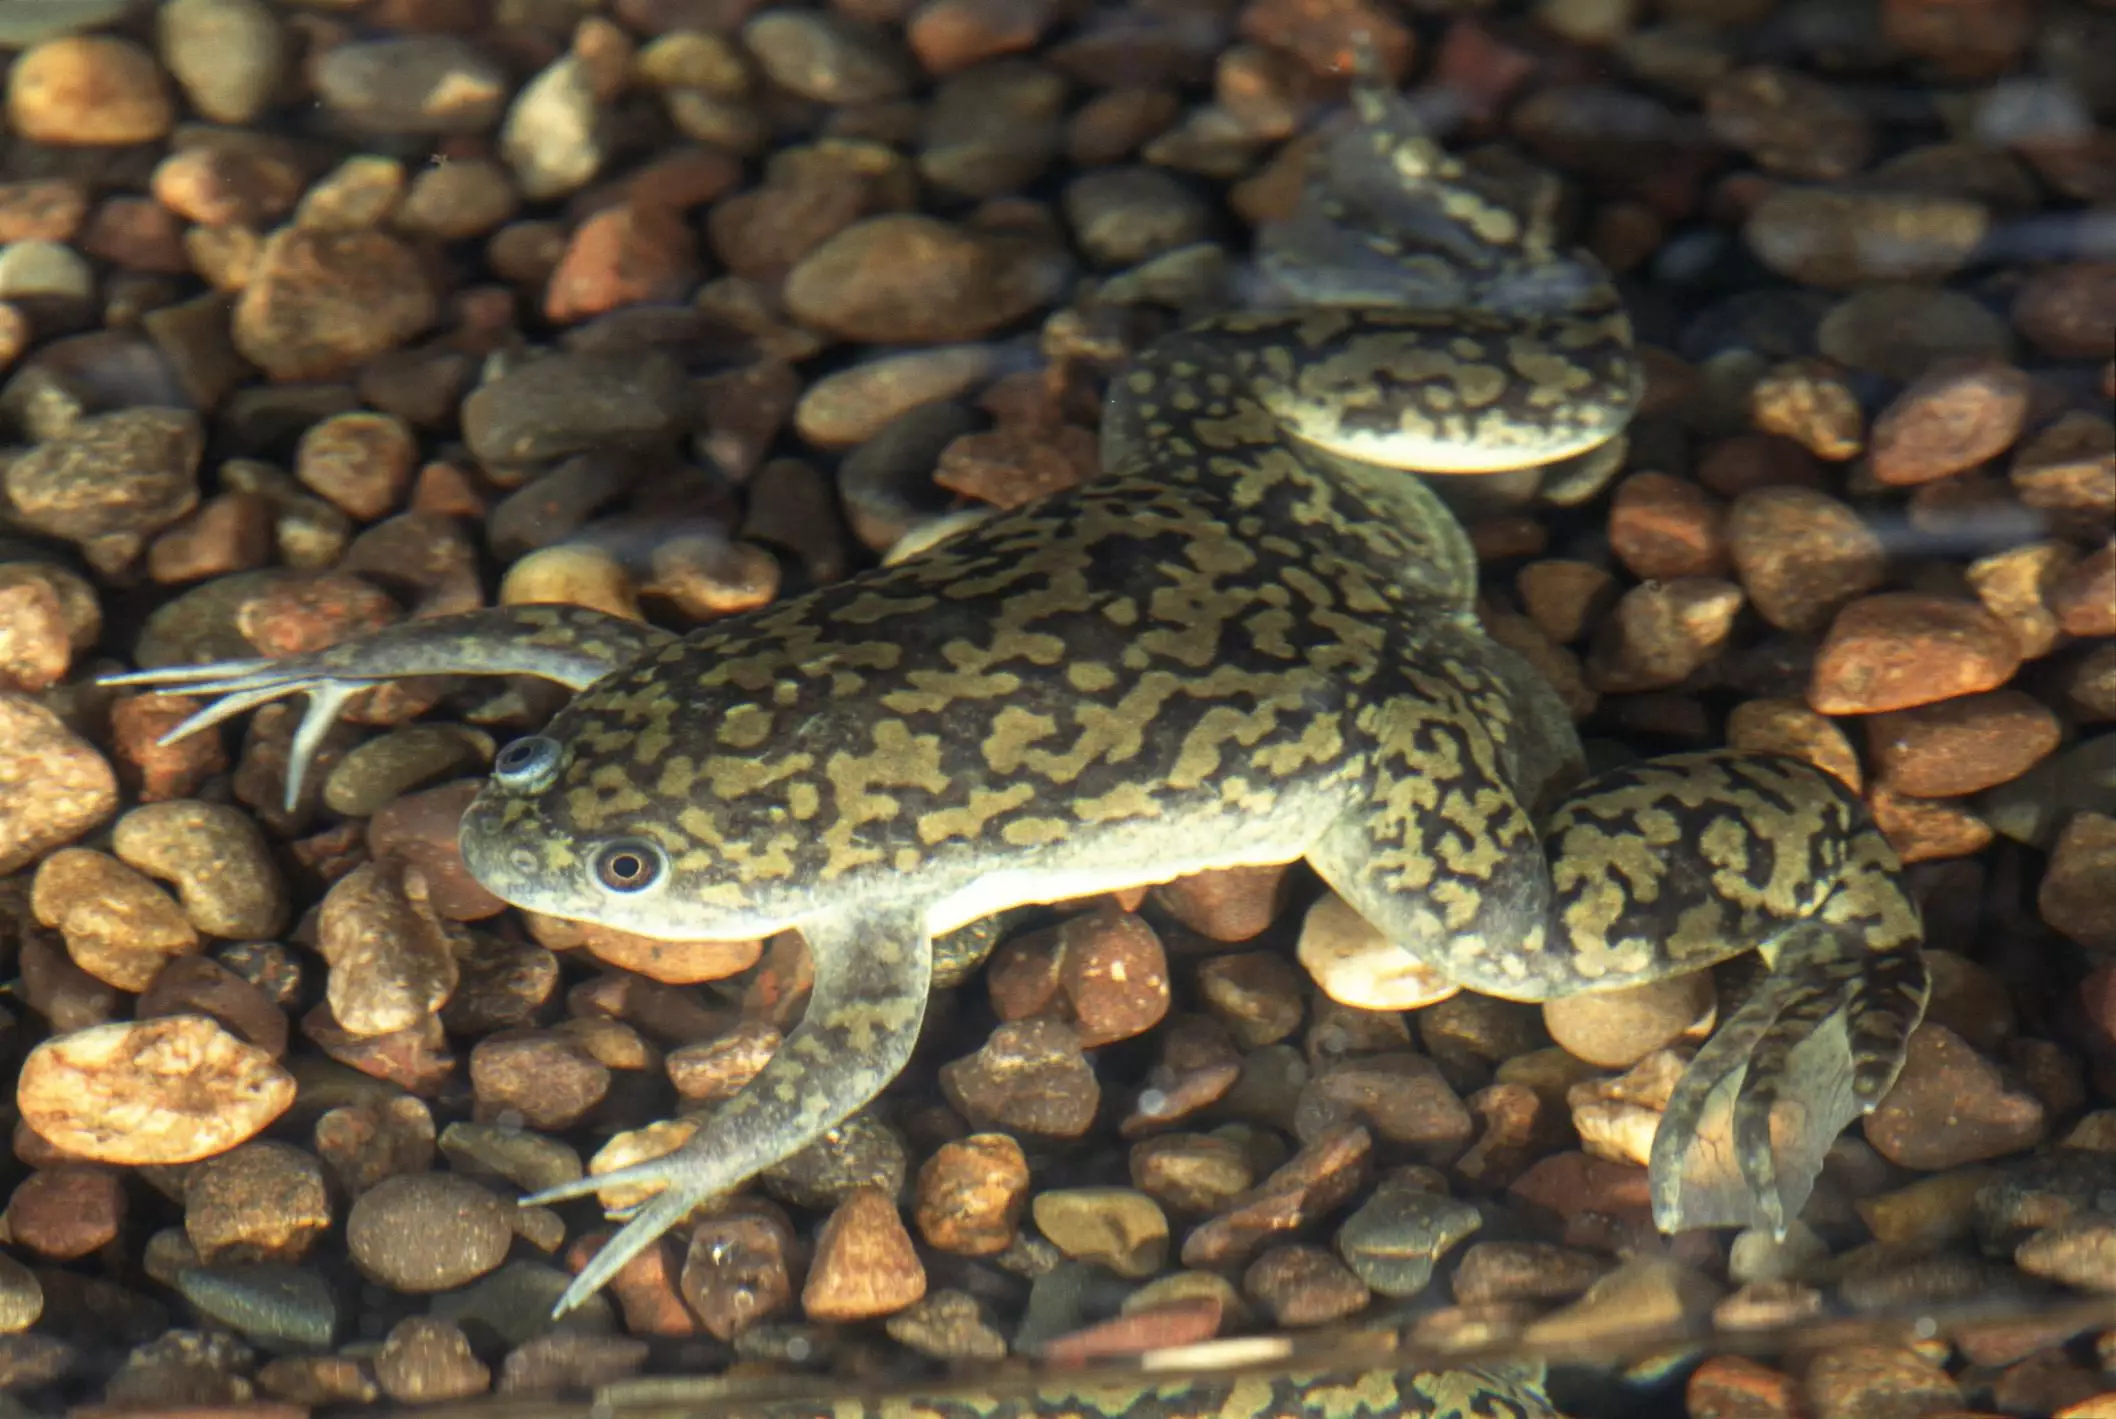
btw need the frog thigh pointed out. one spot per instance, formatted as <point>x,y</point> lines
<point>1435,851</point>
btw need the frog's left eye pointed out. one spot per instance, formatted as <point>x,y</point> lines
<point>527,765</point>
<point>631,865</point>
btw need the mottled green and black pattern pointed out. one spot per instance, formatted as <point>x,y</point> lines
<point>1250,641</point>
<point>1470,1393</point>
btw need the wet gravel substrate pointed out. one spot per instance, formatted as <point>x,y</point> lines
<point>316,316</point>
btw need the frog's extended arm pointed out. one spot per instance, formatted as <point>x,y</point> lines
<point>568,644</point>
<point>873,968</point>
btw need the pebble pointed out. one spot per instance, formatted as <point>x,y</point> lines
<point>216,858</point>
<point>2070,468</point>
<point>1899,330</point>
<point>549,1080</point>
<point>1614,1029</point>
<point>1874,1381</point>
<point>1355,964</point>
<point>1317,1180</point>
<point>1951,1107</point>
<point>1121,1229</point>
<point>392,960</point>
<point>971,1193</point>
<point>170,1090</point>
<point>850,406</point>
<point>1030,1077</point>
<point>2075,895</point>
<point>1950,419</point>
<point>1304,1286</point>
<point>1900,649</point>
<point>1191,1172</point>
<point>739,1268</point>
<point>1395,1239</point>
<point>862,1152</point>
<point>2066,309</point>
<point>1961,746</point>
<point>1809,401</point>
<point>1644,1294</point>
<point>1403,1098</point>
<point>318,304</point>
<point>906,278</point>
<point>90,91</point>
<point>361,1144</point>
<point>565,403</point>
<point>624,256</point>
<point>826,57</point>
<point>551,139</point>
<point>362,463</point>
<point>1842,237</point>
<point>427,1232</point>
<point>1663,527</point>
<point>430,84</point>
<point>1662,632</point>
<point>865,1264</point>
<point>992,130</point>
<point>273,1306</point>
<point>565,1362</point>
<point>1255,993</point>
<point>1775,726</point>
<point>1524,1271</point>
<point>428,1361</point>
<point>200,985</point>
<point>67,1212</point>
<point>118,925</point>
<point>228,56</point>
<point>261,1201</point>
<point>110,480</point>
<point>1790,123</point>
<point>947,1325</point>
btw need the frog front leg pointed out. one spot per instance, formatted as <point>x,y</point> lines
<point>572,645</point>
<point>873,970</point>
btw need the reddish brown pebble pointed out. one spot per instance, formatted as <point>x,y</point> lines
<point>362,462</point>
<point>1949,1107</point>
<point>1961,746</point>
<point>1951,418</point>
<point>1139,1332</point>
<point>547,1079</point>
<point>715,1070</point>
<point>1230,904</point>
<point>1899,649</point>
<point>2084,598</point>
<point>971,1193</point>
<point>622,256</point>
<point>67,1212</point>
<point>1564,598</point>
<point>1303,1285</point>
<point>1802,554</point>
<point>1736,1387</point>
<point>1927,829</point>
<point>671,962</point>
<point>1255,992</point>
<point>2078,892</point>
<point>645,1288</point>
<point>1662,527</point>
<point>865,1265</point>
<point>740,1266</point>
<point>1029,1077</point>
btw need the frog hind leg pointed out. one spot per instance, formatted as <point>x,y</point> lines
<point>1674,864</point>
<point>570,645</point>
<point>1434,847</point>
<point>873,970</point>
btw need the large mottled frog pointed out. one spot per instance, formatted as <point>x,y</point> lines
<point>1250,641</point>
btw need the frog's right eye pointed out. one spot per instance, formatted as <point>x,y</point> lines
<point>527,765</point>
<point>631,865</point>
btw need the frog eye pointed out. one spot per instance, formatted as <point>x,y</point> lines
<point>631,865</point>
<point>527,765</point>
